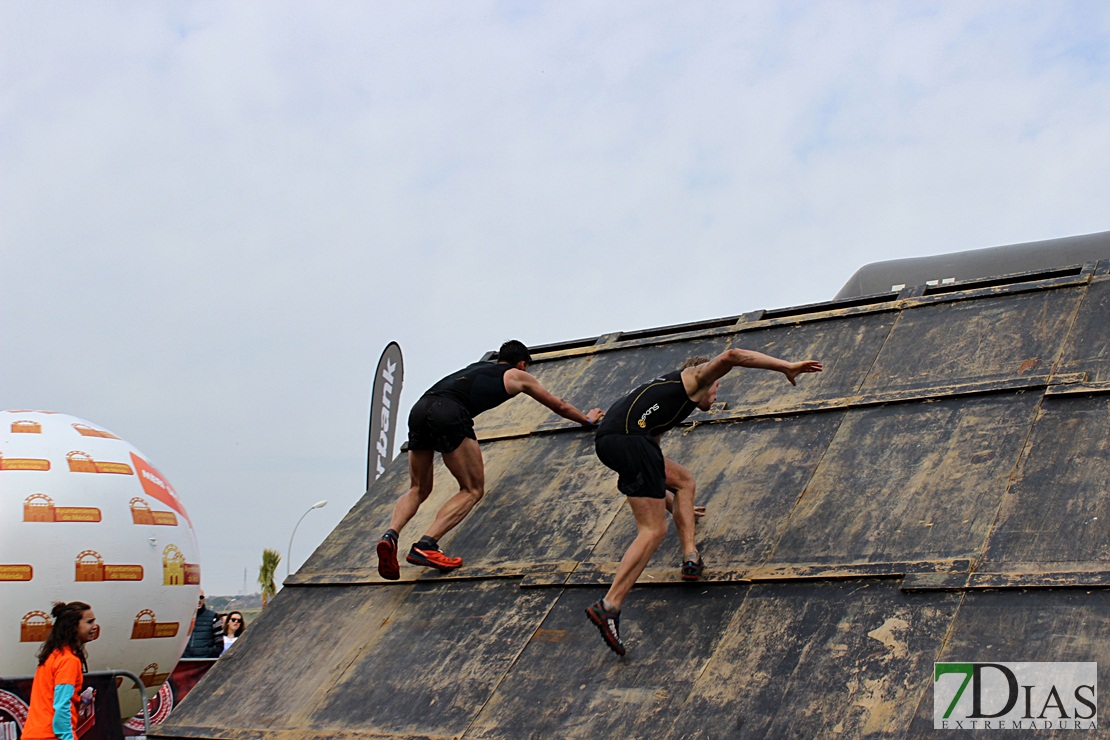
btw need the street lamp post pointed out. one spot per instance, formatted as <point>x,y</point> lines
<point>289,551</point>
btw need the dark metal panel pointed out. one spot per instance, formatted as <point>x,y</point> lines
<point>1037,383</point>
<point>288,660</point>
<point>566,683</point>
<point>956,581</point>
<point>1068,386</point>
<point>917,569</point>
<point>543,509</point>
<point>749,477</point>
<point>843,659</point>
<point>961,341</point>
<point>1058,510</point>
<point>437,661</point>
<point>914,481</point>
<point>1088,348</point>
<point>846,346</point>
<point>1067,625</point>
<point>1045,575</point>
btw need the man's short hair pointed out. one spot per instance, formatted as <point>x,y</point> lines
<point>695,361</point>
<point>514,351</point>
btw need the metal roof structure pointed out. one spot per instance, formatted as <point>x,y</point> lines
<point>894,275</point>
<point>939,493</point>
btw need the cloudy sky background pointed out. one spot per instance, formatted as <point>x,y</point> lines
<point>214,216</point>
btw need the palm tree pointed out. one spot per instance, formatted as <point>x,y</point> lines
<point>270,560</point>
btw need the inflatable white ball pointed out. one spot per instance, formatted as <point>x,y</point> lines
<point>85,516</point>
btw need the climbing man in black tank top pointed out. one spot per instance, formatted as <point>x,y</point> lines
<point>443,421</point>
<point>628,442</point>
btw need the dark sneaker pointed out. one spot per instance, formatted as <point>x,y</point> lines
<point>388,568</point>
<point>432,559</point>
<point>691,570</point>
<point>608,623</point>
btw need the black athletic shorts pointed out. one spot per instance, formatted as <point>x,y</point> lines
<point>637,460</point>
<point>439,424</point>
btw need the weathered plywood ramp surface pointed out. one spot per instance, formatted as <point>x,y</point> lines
<point>937,494</point>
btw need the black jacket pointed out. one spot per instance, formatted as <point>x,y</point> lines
<point>207,640</point>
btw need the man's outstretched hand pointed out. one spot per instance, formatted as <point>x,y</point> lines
<point>805,366</point>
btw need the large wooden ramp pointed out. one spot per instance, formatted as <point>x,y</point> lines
<point>939,493</point>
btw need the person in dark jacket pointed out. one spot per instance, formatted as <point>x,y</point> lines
<point>443,421</point>
<point>207,639</point>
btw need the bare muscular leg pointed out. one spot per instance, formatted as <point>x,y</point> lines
<point>680,481</point>
<point>651,526</point>
<point>420,487</point>
<point>465,463</point>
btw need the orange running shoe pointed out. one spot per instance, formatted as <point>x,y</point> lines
<point>432,559</point>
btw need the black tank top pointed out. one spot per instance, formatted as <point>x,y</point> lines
<point>478,387</point>
<point>653,408</point>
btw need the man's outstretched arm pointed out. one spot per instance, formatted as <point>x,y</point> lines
<point>519,381</point>
<point>712,371</point>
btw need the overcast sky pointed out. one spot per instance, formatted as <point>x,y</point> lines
<point>215,215</point>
